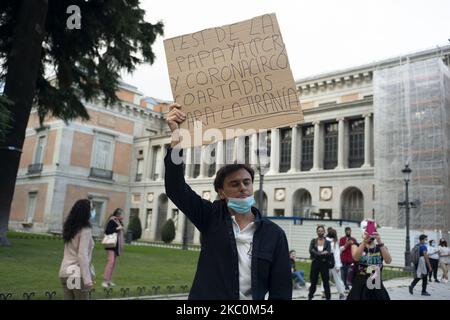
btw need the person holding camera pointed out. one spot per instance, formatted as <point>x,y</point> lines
<point>370,256</point>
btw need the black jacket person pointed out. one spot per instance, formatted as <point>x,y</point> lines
<point>219,270</point>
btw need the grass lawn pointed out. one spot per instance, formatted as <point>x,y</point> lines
<point>33,264</point>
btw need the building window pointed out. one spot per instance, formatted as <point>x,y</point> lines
<point>153,174</point>
<point>39,155</point>
<point>331,146</point>
<point>279,212</point>
<point>211,151</point>
<point>32,198</point>
<point>247,150</point>
<point>148,219</point>
<point>356,144</point>
<point>139,166</point>
<point>197,161</point>
<point>102,154</point>
<point>102,160</point>
<point>99,206</point>
<point>229,153</point>
<point>285,150</point>
<point>307,148</point>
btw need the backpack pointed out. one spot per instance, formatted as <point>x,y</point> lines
<point>415,254</point>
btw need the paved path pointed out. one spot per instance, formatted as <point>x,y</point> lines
<point>397,289</point>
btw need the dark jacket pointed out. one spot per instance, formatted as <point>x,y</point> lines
<point>217,275</point>
<point>315,253</point>
<point>111,228</point>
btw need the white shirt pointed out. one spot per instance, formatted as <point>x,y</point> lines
<point>433,252</point>
<point>444,250</point>
<point>244,242</point>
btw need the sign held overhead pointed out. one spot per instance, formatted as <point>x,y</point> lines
<point>232,80</point>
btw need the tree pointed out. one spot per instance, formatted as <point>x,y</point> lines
<point>168,231</point>
<point>135,227</point>
<point>35,38</point>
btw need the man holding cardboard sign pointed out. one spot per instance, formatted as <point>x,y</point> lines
<point>228,78</point>
<point>234,77</point>
<point>243,255</point>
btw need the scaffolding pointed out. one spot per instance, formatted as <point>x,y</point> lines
<point>411,126</point>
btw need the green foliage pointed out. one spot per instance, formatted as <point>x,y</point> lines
<point>168,231</point>
<point>86,62</point>
<point>135,227</point>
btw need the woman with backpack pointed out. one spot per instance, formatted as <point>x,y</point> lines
<point>369,255</point>
<point>322,258</point>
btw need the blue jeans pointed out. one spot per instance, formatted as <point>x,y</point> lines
<point>299,276</point>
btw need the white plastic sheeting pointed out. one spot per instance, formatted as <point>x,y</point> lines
<point>411,125</point>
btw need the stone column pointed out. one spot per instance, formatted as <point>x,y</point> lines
<point>317,157</point>
<point>160,169</point>
<point>253,148</point>
<point>188,170</point>
<point>203,165</point>
<point>295,144</point>
<point>342,150</point>
<point>219,155</point>
<point>240,149</point>
<point>367,140</point>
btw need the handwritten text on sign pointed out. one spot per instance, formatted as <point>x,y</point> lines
<point>234,76</point>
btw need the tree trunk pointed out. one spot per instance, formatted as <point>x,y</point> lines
<point>20,84</point>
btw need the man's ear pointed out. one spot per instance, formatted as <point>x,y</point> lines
<point>221,194</point>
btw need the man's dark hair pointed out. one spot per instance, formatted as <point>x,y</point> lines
<point>228,169</point>
<point>422,237</point>
<point>320,226</point>
<point>348,228</point>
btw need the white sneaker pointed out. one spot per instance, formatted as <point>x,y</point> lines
<point>105,284</point>
<point>112,284</point>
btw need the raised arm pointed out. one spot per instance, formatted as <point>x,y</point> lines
<point>198,210</point>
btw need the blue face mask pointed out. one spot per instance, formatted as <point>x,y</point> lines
<point>241,205</point>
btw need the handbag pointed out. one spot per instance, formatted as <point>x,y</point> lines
<point>110,240</point>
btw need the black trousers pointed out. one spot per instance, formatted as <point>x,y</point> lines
<point>344,273</point>
<point>434,268</point>
<point>424,280</point>
<point>322,268</point>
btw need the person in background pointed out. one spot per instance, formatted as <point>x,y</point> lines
<point>320,250</point>
<point>421,271</point>
<point>444,259</point>
<point>297,276</point>
<point>115,224</point>
<point>76,272</point>
<point>345,246</point>
<point>335,271</point>
<point>433,254</point>
<point>370,255</point>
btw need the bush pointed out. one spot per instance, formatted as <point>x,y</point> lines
<point>135,227</point>
<point>168,231</point>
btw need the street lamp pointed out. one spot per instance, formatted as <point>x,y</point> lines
<point>407,173</point>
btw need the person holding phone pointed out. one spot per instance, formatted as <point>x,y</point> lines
<point>370,256</point>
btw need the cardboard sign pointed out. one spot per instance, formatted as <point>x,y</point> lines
<point>233,77</point>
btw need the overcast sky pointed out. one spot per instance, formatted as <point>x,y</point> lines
<point>320,35</point>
